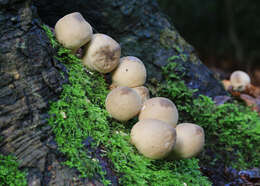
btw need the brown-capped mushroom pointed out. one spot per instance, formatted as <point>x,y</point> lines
<point>143,92</point>
<point>153,138</point>
<point>73,31</point>
<point>123,103</point>
<point>102,53</point>
<point>190,141</point>
<point>239,80</point>
<point>160,108</point>
<point>130,72</point>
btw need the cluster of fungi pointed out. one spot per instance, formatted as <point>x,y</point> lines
<point>156,135</point>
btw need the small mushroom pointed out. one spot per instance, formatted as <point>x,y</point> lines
<point>153,138</point>
<point>239,80</point>
<point>160,108</point>
<point>190,141</point>
<point>130,72</point>
<point>73,31</point>
<point>102,54</point>
<point>143,92</point>
<point>123,103</point>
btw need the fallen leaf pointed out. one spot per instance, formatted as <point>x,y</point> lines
<point>252,91</point>
<point>251,102</point>
<point>227,85</point>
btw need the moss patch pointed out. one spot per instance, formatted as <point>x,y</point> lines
<point>9,173</point>
<point>80,113</point>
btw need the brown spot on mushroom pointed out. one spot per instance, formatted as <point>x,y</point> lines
<point>125,91</point>
<point>165,103</point>
<point>108,54</point>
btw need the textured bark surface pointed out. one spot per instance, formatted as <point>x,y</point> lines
<point>30,77</point>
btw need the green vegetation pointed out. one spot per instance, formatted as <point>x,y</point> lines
<point>80,113</point>
<point>9,173</point>
<point>232,129</point>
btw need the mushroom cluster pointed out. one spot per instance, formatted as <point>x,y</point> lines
<point>156,135</point>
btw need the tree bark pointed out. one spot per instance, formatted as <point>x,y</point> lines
<point>29,79</point>
<point>30,76</point>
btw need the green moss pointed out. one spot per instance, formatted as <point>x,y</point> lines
<point>9,173</point>
<point>80,113</point>
<point>232,129</point>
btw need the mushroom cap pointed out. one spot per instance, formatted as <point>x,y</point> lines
<point>190,141</point>
<point>160,108</point>
<point>239,80</point>
<point>123,103</point>
<point>143,92</point>
<point>102,54</point>
<point>130,72</point>
<point>73,31</point>
<point>153,138</point>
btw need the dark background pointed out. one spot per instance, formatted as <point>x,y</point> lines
<point>225,33</point>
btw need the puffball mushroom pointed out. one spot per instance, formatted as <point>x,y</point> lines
<point>160,108</point>
<point>143,92</point>
<point>130,72</point>
<point>153,138</point>
<point>239,80</point>
<point>73,31</point>
<point>102,54</point>
<point>190,141</point>
<point>123,103</point>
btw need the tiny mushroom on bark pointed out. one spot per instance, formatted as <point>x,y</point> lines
<point>73,31</point>
<point>160,108</point>
<point>130,72</point>
<point>123,103</point>
<point>102,54</point>
<point>153,138</point>
<point>239,80</point>
<point>190,141</point>
<point>143,92</point>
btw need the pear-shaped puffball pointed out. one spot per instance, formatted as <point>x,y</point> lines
<point>190,141</point>
<point>160,108</point>
<point>239,80</point>
<point>130,72</point>
<point>153,138</point>
<point>73,31</point>
<point>102,53</point>
<point>123,103</point>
